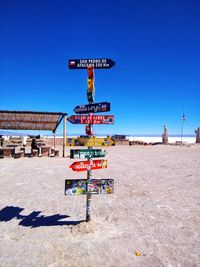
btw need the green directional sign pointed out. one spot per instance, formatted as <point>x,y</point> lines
<point>86,153</point>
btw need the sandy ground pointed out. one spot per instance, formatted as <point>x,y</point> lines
<point>155,210</point>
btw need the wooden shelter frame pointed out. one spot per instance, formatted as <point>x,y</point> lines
<point>33,120</point>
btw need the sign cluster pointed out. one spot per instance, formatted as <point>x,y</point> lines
<point>90,186</point>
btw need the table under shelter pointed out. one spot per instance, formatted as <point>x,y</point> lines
<point>33,120</point>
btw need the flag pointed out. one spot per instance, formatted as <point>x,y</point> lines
<point>183,118</point>
<point>72,63</point>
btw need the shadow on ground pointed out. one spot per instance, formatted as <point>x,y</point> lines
<point>34,219</point>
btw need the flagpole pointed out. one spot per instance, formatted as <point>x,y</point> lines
<point>182,131</point>
<point>183,119</point>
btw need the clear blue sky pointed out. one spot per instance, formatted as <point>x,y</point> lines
<point>155,44</point>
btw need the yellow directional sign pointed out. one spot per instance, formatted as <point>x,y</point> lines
<point>90,141</point>
<point>94,141</point>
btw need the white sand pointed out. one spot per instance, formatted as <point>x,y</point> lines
<point>155,209</point>
<point>155,139</point>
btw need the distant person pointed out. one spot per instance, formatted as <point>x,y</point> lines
<point>1,140</point>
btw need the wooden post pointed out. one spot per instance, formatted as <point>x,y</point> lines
<point>54,139</point>
<point>64,135</point>
<point>89,195</point>
<point>197,131</point>
<point>183,120</point>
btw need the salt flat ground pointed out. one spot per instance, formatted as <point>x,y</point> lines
<point>155,209</point>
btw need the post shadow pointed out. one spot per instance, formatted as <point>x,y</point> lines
<point>34,219</point>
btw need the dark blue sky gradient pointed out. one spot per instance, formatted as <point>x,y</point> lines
<point>155,44</point>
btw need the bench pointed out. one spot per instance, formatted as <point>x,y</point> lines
<point>45,150</point>
<point>56,153</point>
<point>28,152</point>
<point>8,152</point>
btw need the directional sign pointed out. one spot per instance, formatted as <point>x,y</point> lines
<point>86,153</point>
<point>86,165</point>
<point>99,63</point>
<point>94,186</point>
<point>92,108</point>
<point>91,119</point>
<point>94,141</point>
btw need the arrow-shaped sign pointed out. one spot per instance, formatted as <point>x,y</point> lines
<point>97,63</point>
<point>91,119</point>
<point>93,141</point>
<point>86,165</point>
<point>86,153</point>
<point>92,108</point>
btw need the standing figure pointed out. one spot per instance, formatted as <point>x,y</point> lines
<point>165,135</point>
<point>197,131</point>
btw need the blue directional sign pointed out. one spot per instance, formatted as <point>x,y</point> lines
<point>98,63</point>
<point>92,108</point>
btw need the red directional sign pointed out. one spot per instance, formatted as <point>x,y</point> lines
<point>91,119</point>
<point>86,165</point>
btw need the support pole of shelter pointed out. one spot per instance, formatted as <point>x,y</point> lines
<point>64,135</point>
<point>54,139</point>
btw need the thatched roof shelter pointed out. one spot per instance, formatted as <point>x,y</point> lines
<point>33,120</point>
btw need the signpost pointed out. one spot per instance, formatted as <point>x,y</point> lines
<point>91,119</point>
<point>100,63</point>
<point>95,186</point>
<point>86,153</point>
<point>92,165</point>
<point>90,186</point>
<point>92,108</point>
